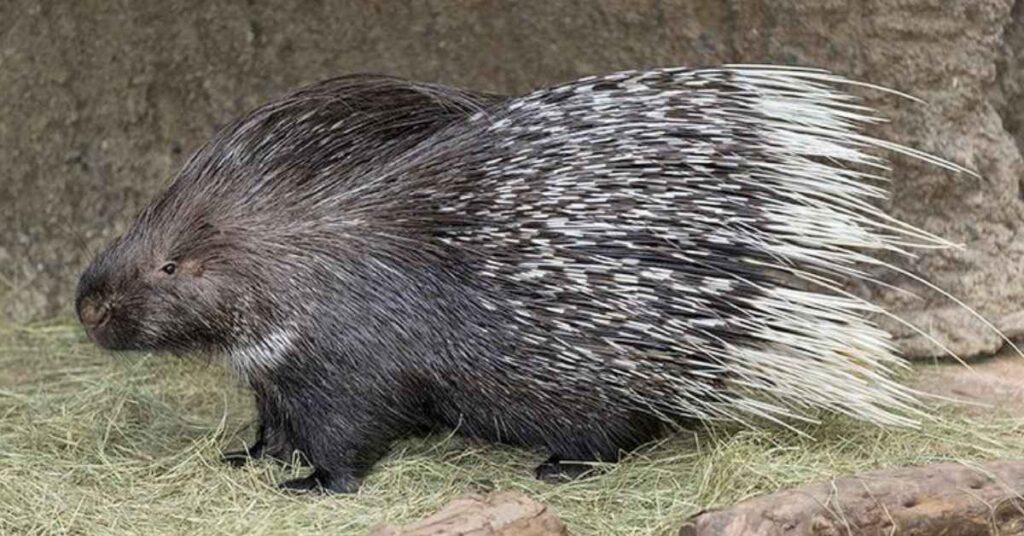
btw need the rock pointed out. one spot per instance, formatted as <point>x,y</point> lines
<point>943,498</point>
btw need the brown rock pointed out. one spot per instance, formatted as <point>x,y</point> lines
<point>496,514</point>
<point>945,498</point>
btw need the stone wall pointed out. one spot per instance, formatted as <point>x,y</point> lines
<point>101,101</point>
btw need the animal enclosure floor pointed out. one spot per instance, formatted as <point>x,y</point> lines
<point>95,443</point>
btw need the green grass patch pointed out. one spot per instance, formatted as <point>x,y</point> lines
<point>98,443</point>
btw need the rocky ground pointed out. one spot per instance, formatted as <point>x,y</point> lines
<point>994,384</point>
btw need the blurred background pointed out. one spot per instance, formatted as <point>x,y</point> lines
<point>101,101</point>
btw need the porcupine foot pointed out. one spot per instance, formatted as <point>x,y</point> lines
<point>554,470</point>
<point>583,450</point>
<point>267,445</point>
<point>320,480</point>
<point>241,457</point>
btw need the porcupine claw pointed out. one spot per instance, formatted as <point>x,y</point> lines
<point>554,470</point>
<point>321,481</point>
<point>259,449</point>
<point>241,457</point>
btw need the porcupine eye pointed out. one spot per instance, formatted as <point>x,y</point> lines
<point>169,268</point>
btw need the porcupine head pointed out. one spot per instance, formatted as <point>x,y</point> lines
<point>189,275</point>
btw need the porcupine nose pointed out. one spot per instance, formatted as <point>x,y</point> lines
<point>93,315</point>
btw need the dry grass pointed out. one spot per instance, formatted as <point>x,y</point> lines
<point>92,443</point>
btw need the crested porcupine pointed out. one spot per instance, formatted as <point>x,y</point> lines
<point>576,270</point>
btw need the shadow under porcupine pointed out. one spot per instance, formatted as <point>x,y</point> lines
<point>576,270</point>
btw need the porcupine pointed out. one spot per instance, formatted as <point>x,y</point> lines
<point>577,270</point>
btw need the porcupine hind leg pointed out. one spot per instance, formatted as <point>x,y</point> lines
<point>578,454</point>
<point>555,469</point>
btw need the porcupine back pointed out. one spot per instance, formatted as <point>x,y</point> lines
<point>310,143</point>
<point>672,241</point>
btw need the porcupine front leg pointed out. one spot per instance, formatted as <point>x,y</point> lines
<point>271,442</point>
<point>271,436</point>
<point>338,424</point>
<point>341,447</point>
<point>578,451</point>
<point>241,457</point>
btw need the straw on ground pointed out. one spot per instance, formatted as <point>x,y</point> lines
<point>95,443</point>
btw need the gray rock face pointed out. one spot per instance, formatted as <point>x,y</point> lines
<point>100,102</point>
